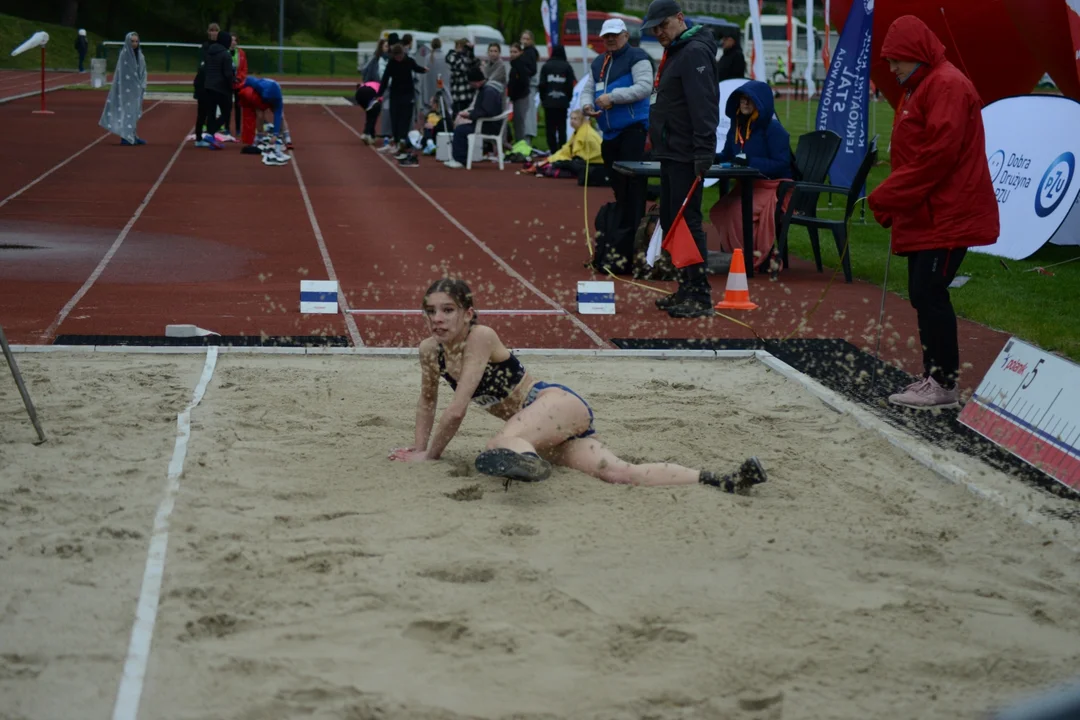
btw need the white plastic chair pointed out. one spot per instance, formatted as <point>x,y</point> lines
<point>479,136</point>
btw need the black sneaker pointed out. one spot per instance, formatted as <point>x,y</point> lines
<point>500,462</point>
<point>691,308</point>
<point>669,301</point>
<point>749,474</point>
<point>250,150</point>
<point>409,161</point>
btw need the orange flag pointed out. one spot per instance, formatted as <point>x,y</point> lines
<point>679,242</point>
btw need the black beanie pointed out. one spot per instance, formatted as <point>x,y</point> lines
<point>224,39</point>
<point>475,74</point>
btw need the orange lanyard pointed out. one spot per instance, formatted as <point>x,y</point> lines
<point>740,139</point>
<point>603,68</point>
<point>659,70</point>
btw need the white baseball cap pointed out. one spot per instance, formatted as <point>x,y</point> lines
<point>614,26</point>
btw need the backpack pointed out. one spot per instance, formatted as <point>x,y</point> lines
<point>662,269</point>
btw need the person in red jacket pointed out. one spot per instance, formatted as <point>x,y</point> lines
<point>938,200</point>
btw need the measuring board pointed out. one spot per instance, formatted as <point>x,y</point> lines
<point>1029,404</point>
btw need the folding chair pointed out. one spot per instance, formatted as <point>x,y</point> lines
<point>812,223</point>
<point>479,136</point>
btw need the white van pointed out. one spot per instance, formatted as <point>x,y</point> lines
<point>420,39</point>
<point>479,35</point>
<point>774,39</point>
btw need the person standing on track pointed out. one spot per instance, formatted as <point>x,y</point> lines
<point>81,46</point>
<point>939,198</point>
<point>218,75</point>
<point>542,419</point>
<point>201,120</point>
<point>123,108</point>
<point>685,114</point>
<point>616,93</point>
<point>399,74</point>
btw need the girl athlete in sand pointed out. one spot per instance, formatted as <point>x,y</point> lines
<point>540,417</point>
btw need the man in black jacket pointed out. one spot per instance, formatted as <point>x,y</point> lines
<point>682,128</point>
<point>732,64</point>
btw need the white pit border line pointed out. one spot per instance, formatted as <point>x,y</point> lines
<point>142,632</point>
<point>918,450</point>
<point>66,310</point>
<point>350,323</point>
<point>480,243</point>
<point>59,165</point>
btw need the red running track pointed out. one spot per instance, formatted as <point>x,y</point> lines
<point>224,240</point>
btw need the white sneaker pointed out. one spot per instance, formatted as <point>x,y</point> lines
<point>226,137</point>
<point>276,158</point>
<point>926,395</point>
<point>388,149</point>
<point>453,164</point>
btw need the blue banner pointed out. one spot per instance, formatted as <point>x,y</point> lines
<point>554,29</point>
<point>845,96</point>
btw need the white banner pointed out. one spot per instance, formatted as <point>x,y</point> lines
<point>810,49</point>
<point>726,88</point>
<point>575,104</point>
<point>1034,172</point>
<point>757,72</point>
<point>583,32</point>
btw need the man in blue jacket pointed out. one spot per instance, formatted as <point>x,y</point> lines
<point>682,127</point>
<point>616,93</point>
<point>488,103</point>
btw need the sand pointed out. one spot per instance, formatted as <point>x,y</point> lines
<point>308,576</point>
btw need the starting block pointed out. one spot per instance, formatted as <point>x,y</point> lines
<point>596,297</point>
<point>318,297</point>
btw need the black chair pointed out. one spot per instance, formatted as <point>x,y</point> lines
<point>814,156</point>
<point>802,210</point>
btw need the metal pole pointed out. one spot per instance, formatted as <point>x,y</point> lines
<point>281,37</point>
<point>22,387</point>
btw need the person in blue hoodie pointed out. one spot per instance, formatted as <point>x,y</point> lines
<point>758,140</point>
<point>616,92</point>
<point>488,103</point>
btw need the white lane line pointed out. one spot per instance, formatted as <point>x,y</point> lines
<point>56,167</point>
<point>350,323</point>
<point>480,243</point>
<point>51,330</point>
<point>142,631</point>
<point>481,311</point>
<point>37,91</point>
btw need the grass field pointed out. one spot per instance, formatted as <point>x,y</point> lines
<point>59,53</point>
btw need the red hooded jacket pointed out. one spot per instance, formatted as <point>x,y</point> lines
<point>939,194</point>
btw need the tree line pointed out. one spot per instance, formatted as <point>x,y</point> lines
<point>186,20</point>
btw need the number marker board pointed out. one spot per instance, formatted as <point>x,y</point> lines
<point>1029,404</point>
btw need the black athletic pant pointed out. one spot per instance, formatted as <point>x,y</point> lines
<point>676,179</point>
<point>371,119</point>
<point>236,112</point>
<point>555,126</point>
<point>203,110</point>
<point>209,103</point>
<point>401,116</point>
<point>629,145</point>
<point>929,275</point>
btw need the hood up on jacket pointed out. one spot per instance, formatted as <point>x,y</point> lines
<point>761,94</point>
<point>910,39</point>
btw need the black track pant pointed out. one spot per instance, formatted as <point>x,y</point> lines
<point>929,275</point>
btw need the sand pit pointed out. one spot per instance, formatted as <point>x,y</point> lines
<point>308,576</point>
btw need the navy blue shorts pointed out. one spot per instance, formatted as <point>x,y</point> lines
<point>540,385</point>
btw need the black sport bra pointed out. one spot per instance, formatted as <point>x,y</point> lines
<point>496,384</point>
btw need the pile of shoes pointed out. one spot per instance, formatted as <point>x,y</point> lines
<point>273,151</point>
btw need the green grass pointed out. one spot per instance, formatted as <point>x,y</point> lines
<point>1038,308</point>
<point>59,53</point>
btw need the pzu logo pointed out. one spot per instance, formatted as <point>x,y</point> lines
<point>1054,184</point>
